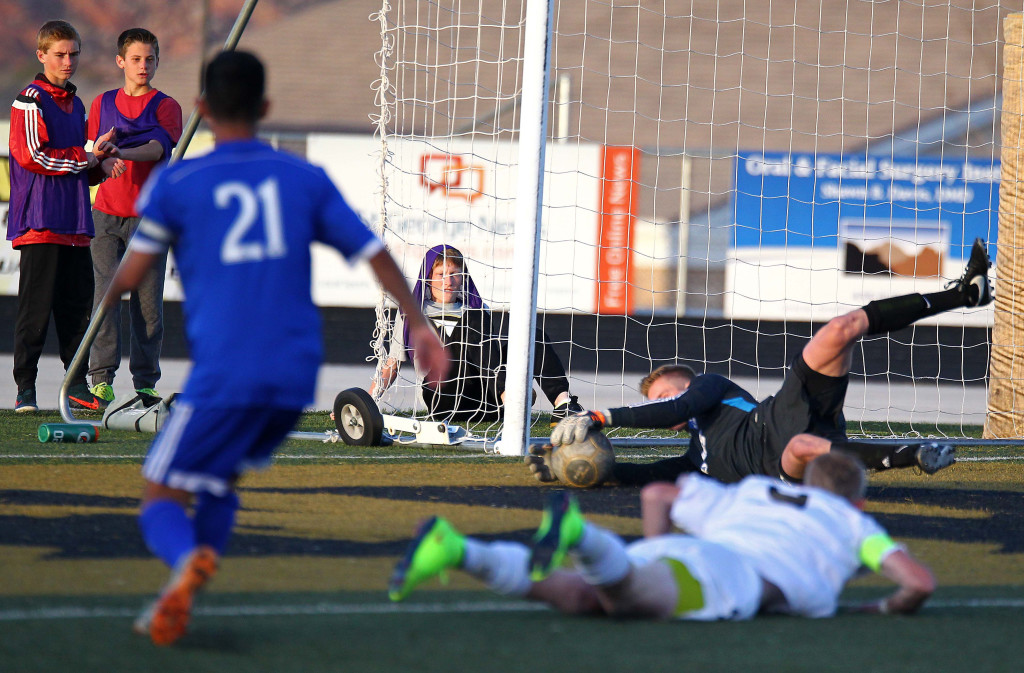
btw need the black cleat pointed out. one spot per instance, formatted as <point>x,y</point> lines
<point>570,407</point>
<point>974,284</point>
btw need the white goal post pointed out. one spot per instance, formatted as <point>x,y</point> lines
<point>717,180</point>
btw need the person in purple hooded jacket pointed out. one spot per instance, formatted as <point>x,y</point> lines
<point>475,387</point>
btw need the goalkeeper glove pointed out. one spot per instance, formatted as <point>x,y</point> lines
<point>539,461</point>
<point>574,429</point>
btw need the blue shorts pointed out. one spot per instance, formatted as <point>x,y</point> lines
<point>201,449</point>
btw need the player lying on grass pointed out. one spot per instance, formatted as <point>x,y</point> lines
<point>240,220</point>
<point>759,546</point>
<point>732,435</point>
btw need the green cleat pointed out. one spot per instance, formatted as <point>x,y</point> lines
<point>560,530</point>
<point>103,392</point>
<point>149,396</point>
<point>436,548</point>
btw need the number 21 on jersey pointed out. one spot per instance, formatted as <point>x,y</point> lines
<point>262,205</point>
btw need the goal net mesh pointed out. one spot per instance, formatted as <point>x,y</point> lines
<point>720,179</point>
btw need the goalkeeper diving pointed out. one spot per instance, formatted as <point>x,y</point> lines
<point>732,435</point>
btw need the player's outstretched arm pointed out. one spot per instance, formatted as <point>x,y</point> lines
<point>427,349</point>
<point>915,580</point>
<point>656,501</point>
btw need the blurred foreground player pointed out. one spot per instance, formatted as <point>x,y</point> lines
<point>240,221</point>
<point>759,546</point>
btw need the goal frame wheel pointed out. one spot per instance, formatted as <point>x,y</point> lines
<point>357,418</point>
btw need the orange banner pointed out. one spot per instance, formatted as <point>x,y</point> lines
<point>620,191</point>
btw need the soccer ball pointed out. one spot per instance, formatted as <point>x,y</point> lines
<point>584,464</point>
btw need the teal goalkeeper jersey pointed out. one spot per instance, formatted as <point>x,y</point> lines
<point>240,221</point>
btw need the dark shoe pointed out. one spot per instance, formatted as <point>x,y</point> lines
<point>570,407</point>
<point>26,401</point>
<point>973,284</point>
<point>82,398</point>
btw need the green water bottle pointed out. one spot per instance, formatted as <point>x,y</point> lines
<point>68,432</point>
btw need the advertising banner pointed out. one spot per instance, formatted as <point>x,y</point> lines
<point>816,234</point>
<point>463,192</point>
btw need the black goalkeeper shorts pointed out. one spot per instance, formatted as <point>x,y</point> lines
<point>808,401</point>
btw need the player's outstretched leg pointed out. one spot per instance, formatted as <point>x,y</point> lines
<point>166,619</point>
<point>929,458</point>
<point>972,289</point>
<point>560,530</point>
<point>436,547</point>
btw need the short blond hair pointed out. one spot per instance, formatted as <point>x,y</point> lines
<point>55,31</point>
<point>840,473</point>
<point>665,370</point>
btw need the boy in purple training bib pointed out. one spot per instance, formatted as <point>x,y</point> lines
<point>146,125</point>
<point>49,221</point>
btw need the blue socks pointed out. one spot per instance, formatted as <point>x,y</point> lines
<point>214,519</point>
<point>167,530</point>
<point>170,533</point>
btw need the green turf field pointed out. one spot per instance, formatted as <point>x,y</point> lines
<point>303,586</point>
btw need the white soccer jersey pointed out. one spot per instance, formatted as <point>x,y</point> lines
<point>806,541</point>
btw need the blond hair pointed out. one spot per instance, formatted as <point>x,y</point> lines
<point>665,370</point>
<point>55,31</point>
<point>840,473</point>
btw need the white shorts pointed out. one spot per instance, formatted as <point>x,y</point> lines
<point>729,586</point>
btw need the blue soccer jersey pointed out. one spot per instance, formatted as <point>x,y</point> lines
<point>240,221</point>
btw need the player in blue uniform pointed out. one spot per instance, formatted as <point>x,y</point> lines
<point>240,221</point>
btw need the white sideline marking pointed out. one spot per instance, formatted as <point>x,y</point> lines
<point>75,612</point>
<point>277,457</point>
<point>446,456</point>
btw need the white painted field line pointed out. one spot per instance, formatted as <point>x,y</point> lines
<point>78,612</point>
<point>446,456</point>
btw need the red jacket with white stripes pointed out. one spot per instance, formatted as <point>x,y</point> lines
<point>49,181</point>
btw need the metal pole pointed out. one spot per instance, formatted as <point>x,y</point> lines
<point>98,314</point>
<point>683,247</point>
<point>529,202</point>
<point>562,91</point>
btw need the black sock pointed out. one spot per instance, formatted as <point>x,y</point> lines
<point>879,456</point>
<point>887,315</point>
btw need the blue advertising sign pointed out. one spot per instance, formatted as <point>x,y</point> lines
<point>900,215</point>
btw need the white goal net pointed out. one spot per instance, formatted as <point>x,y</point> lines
<point>721,177</point>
